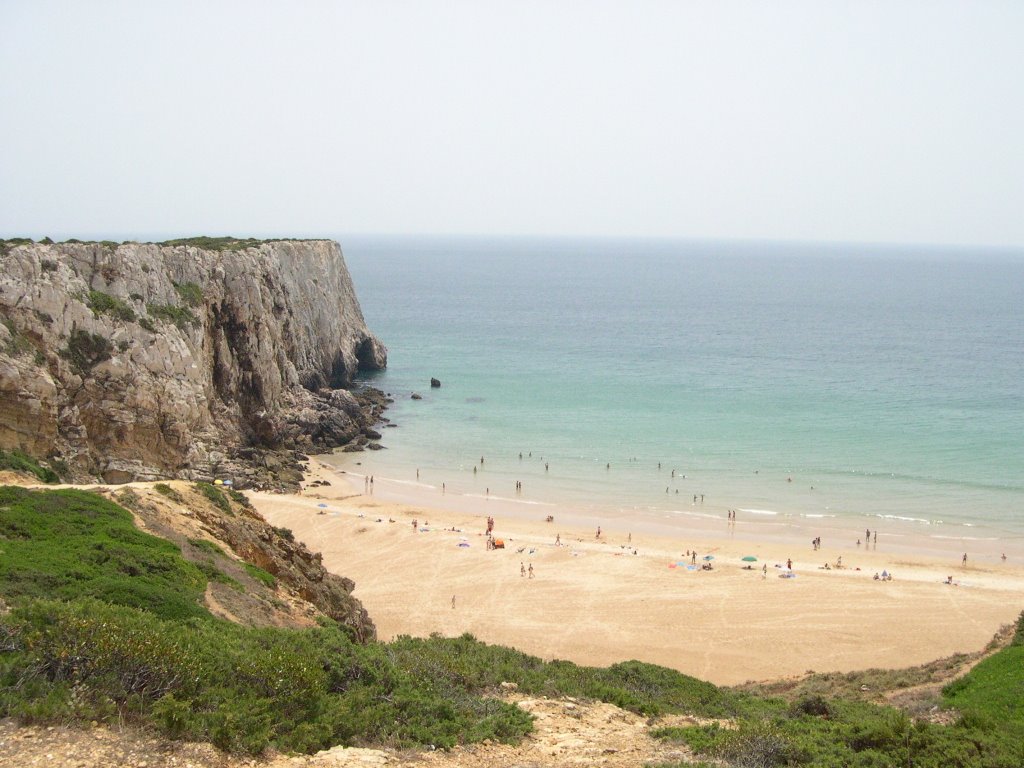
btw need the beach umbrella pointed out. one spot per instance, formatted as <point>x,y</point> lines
<point>709,557</point>
<point>321,505</point>
<point>750,559</point>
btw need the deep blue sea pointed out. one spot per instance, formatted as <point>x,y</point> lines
<point>797,381</point>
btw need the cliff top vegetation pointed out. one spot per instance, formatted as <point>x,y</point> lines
<point>225,243</point>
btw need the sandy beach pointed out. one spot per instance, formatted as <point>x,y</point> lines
<point>593,601</point>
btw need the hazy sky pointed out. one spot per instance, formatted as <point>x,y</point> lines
<point>866,121</point>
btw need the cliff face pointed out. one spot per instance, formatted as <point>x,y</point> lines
<point>139,361</point>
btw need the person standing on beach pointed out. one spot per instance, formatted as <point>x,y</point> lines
<point>598,536</point>
<point>522,568</point>
<point>964,561</point>
<point>531,570</point>
<point>789,564</point>
<point>453,602</point>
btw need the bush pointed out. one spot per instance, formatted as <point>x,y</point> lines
<point>266,579</point>
<point>86,350</point>
<point>165,490</point>
<point>18,344</point>
<point>182,317</point>
<point>239,498</point>
<point>213,494</point>
<point>69,543</point>
<point>190,293</point>
<point>104,304</point>
<point>22,462</point>
<point>206,546</point>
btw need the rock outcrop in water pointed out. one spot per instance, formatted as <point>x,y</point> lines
<point>140,361</point>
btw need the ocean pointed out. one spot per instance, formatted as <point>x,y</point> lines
<point>871,386</point>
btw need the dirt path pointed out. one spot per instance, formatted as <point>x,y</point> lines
<point>567,733</point>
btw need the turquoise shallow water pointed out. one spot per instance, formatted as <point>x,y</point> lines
<point>861,384</point>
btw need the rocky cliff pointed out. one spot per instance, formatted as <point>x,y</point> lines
<point>139,361</point>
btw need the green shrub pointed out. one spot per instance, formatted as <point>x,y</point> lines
<point>182,317</point>
<point>85,350</point>
<point>206,546</point>
<point>146,323</point>
<point>165,490</point>
<point>190,293</point>
<point>213,494</point>
<point>238,497</point>
<point>18,344</point>
<point>69,543</point>
<point>22,462</point>
<point>104,304</point>
<point>217,243</point>
<point>267,579</point>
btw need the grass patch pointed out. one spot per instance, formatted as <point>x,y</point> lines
<point>214,495</point>
<point>69,544</point>
<point>104,304</point>
<point>262,576</point>
<point>18,344</point>
<point>206,546</point>
<point>238,497</point>
<point>190,293</point>
<point>220,243</point>
<point>182,317</point>
<point>165,490</point>
<point>22,462</point>
<point>213,573</point>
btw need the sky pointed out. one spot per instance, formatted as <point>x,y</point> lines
<point>859,121</point>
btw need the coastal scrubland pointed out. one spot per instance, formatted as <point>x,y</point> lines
<point>107,623</point>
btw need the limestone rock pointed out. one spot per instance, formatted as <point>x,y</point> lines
<point>138,360</point>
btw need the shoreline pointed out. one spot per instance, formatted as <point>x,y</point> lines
<point>899,534</point>
<point>594,602</point>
